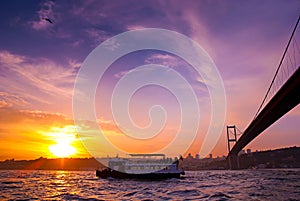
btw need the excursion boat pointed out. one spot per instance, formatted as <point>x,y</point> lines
<point>142,166</point>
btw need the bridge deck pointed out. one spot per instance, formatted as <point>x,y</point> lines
<point>284,100</point>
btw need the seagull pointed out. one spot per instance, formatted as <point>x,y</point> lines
<point>47,19</point>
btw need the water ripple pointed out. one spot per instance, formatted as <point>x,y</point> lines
<point>201,185</point>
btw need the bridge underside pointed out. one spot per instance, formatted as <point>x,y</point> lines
<point>285,99</point>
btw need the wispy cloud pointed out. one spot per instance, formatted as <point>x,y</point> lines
<point>46,11</point>
<point>10,59</point>
<point>165,59</point>
<point>97,35</point>
<point>8,100</point>
<point>135,27</point>
<point>28,77</point>
<point>180,66</point>
<point>121,74</point>
<point>35,131</point>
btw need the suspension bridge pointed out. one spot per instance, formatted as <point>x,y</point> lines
<point>282,96</point>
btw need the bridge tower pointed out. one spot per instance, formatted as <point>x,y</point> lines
<point>229,134</point>
<point>233,160</point>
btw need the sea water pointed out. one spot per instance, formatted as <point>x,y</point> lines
<point>272,184</point>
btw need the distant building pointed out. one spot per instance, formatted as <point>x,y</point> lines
<point>242,152</point>
<point>219,158</point>
<point>189,157</point>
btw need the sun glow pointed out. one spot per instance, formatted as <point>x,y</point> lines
<point>63,148</point>
<point>64,138</point>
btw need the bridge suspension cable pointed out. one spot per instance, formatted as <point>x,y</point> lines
<point>283,100</point>
<point>287,71</point>
<point>238,133</point>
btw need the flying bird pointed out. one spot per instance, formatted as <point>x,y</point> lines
<point>47,19</point>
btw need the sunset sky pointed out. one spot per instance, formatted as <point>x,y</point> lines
<point>39,62</point>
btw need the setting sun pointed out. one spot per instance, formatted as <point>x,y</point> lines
<point>62,148</point>
<point>65,139</point>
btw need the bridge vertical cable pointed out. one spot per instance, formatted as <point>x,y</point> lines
<point>290,57</point>
<point>281,97</point>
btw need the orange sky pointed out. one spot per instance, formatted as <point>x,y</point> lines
<point>39,63</point>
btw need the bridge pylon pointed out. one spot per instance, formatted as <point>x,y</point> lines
<point>233,160</point>
<point>231,139</point>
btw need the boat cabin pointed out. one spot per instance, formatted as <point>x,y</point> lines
<point>142,163</point>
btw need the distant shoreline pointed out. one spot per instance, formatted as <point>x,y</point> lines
<point>271,159</point>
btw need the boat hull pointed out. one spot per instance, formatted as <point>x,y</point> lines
<point>150,176</point>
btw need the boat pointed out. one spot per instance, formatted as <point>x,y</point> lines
<point>142,166</point>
